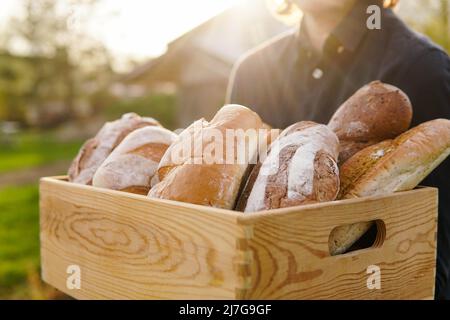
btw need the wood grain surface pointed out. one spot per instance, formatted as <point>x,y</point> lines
<point>291,258</point>
<point>132,247</point>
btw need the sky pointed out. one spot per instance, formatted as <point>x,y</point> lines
<point>138,28</point>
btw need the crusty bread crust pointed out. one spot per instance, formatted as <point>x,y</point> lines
<point>96,150</point>
<point>185,138</point>
<point>390,166</point>
<point>357,166</point>
<point>137,190</point>
<point>411,158</point>
<point>215,184</point>
<point>376,112</point>
<point>253,171</point>
<point>247,187</point>
<point>132,165</point>
<point>301,168</point>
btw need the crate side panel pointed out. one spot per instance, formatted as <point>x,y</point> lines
<point>291,260</point>
<point>133,248</point>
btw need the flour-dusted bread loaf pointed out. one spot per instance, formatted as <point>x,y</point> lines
<point>132,165</point>
<point>390,166</point>
<point>96,150</point>
<point>198,178</point>
<point>376,112</point>
<point>300,168</point>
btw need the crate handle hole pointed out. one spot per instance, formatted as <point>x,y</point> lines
<point>373,238</point>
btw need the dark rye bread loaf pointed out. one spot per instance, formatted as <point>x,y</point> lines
<point>387,167</point>
<point>96,150</point>
<point>376,112</point>
<point>132,165</point>
<point>299,169</point>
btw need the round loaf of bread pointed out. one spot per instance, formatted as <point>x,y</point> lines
<point>376,112</point>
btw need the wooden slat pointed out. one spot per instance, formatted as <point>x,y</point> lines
<point>130,247</point>
<point>291,258</point>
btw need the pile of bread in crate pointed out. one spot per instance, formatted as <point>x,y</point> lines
<point>366,149</point>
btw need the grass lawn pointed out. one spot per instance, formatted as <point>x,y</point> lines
<point>19,237</point>
<point>27,150</point>
<point>19,214</point>
<point>19,245</point>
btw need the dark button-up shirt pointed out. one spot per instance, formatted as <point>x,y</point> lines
<point>286,81</point>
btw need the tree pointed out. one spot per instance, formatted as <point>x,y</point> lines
<point>438,27</point>
<point>55,50</point>
<point>430,17</point>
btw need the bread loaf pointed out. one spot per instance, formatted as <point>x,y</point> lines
<point>132,165</point>
<point>390,166</point>
<point>177,153</point>
<point>247,186</point>
<point>193,177</point>
<point>96,150</point>
<point>253,171</point>
<point>300,168</point>
<point>376,112</point>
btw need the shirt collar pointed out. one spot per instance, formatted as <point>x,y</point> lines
<point>350,31</point>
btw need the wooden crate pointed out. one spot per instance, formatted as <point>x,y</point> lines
<point>130,247</point>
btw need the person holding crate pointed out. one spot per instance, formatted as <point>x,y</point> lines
<point>340,46</point>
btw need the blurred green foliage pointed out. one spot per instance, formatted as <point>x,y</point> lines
<point>162,107</point>
<point>16,81</point>
<point>60,69</point>
<point>430,17</point>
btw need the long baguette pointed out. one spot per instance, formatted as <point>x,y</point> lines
<point>390,166</point>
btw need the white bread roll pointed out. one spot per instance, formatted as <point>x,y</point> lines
<point>132,165</point>
<point>301,168</point>
<point>192,178</point>
<point>390,166</point>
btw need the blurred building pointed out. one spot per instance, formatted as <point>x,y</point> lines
<point>197,65</point>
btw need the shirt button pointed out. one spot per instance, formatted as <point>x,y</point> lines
<point>340,49</point>
<point>317,73</point>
